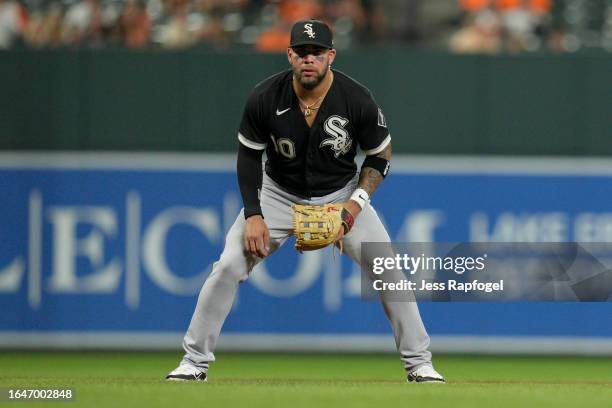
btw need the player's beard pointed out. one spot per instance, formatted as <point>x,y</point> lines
<point>312,83</point>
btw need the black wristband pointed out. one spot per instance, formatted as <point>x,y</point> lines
<point>250,176</point>
<point>377,163</point>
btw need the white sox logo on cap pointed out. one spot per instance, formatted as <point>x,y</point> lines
<point>308,30</point>
<point>311,32</point>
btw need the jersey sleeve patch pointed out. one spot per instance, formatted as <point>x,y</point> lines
<point>382,121</point>
<point>380,147</point>
<point>251,144</point>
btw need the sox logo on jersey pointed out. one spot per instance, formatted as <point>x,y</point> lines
<point>340,141</point>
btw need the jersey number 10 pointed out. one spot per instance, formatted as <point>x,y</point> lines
<point>284,146</point>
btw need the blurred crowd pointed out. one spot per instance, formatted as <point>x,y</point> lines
<point>464,26</point>
<point>493,26</point>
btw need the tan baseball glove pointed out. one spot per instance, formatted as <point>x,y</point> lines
<point>316,226</point>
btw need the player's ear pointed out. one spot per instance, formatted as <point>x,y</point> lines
<point>289,51</point>
<point>332,56</point>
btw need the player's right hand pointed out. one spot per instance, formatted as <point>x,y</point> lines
<point>257,236</point>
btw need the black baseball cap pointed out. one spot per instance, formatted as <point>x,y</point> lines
<point>311,32</point>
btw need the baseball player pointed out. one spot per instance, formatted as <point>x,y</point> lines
<point>309,120</point>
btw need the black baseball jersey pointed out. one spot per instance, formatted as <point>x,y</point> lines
<point>312,162</point>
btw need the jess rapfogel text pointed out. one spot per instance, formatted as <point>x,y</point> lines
<point>450,285</point>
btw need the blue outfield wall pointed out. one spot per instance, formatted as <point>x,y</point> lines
<point>119,244</point>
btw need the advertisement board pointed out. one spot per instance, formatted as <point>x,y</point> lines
<point>111,250</point>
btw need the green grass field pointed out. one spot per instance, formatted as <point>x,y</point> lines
<point>104,379</point>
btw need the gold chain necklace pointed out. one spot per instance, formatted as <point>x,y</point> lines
<point>308,109</point>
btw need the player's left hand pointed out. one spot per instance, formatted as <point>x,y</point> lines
<point>354,209</point>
